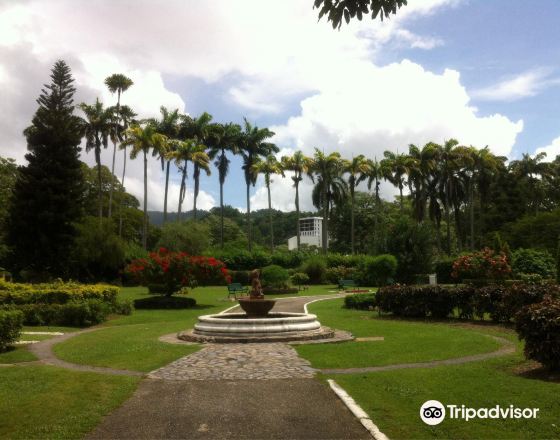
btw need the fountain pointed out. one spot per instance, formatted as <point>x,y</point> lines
<point>257,324</point>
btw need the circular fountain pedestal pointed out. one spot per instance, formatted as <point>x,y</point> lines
<point>274,327</point>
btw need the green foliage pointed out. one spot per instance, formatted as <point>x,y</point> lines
<point>192,237</point>
<point>500,302</point>
<point>316,269</point>
<point>360,301</point>
<point>334,274</point>
<point>73,313</point>
<point>240,276</point>
<point>348,9</point>
<point>482,265</point>
<point>299,279</point>
<point>11,322</point>
<point>165,302</point>
<point>8,176</point>
<point>412,244</point>
<point>48,192</point>
<point>443,268</point>
<point>539,326</point>
<point>533,261</point>
<point>527,231</point>
<point>377,271</point>
<point>98,252</point>
<point>275,276</point>
<point>233,234</point>
<point>55,293</point>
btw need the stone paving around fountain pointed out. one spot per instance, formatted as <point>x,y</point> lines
<point>238,362</point>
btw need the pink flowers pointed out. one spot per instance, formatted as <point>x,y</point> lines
<point>485,264</point>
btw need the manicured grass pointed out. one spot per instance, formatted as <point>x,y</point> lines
<point>131,342</point>
<point>15,354</point>
<point>47,402</point>
<point>405,341</point>
<point>393,400</point>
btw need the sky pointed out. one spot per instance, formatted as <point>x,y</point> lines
<point>485,73</point>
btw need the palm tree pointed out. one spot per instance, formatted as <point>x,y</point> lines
<point>358,170</point>
<point>268,167</point>
<point>116,83</point>
<point>531,170</point>
<point>127,119</point>
<point>398,166</point>
<point>299,164</point>
<point>223,138</point>
<point>327,169</point>
<point>199,130</point>
<point>168,125</point>
<point>142,140</point>
<point>97,127</point>
<point>376,173</point>
<point>184,152</point>
<point>421,166</point>
<point>253,145</point>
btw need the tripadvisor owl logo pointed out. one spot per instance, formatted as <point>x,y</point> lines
<point>432,412</point>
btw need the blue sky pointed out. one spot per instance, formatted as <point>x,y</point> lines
<point>485,72</point>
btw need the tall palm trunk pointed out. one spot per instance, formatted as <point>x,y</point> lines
<point>114,154</point>
<point>458,229</point>
<point>166,190</point>
<point>471,203</point>
<point>221,214</point>
<point>182,191</point>
<point>270,216</point>
<point>375,219</point>
<point>145,228</point>
<point>448,230</point>
<point>325,218</point>
<point>352,219</point>
<point>400,191</point>
<point>99,183</point>
<point>121,204</point>
<point>297,214</point>
<point>249,232</point>
<point>196,177</point>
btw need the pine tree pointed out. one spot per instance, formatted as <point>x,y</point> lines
<point>47,197</point>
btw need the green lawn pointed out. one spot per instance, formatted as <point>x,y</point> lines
<point>393,399</point>
<point>405,341</point>
<point>15,354</point>
<point>46,402</point>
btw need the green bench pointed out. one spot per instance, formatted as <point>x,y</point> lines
<point>343,284</point>
<point>235,288</point>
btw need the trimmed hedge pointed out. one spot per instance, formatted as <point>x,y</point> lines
<point>499,301</point>
<point>75,314</point>
<point>275,277</point>
<point>11,322</point>
<point>539,325</point>
<point>360,301</point>
<point>376,271</point>
<point>55,293</point>
<point>164,302</point>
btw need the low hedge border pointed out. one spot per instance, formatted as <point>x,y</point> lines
<point>164,302</point>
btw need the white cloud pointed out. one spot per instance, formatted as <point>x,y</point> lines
<point>521,86</point>
<point>552,150</point>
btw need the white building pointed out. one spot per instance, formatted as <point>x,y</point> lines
<point>310,230</point>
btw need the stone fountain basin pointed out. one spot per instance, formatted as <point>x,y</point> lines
<point>241,324</point>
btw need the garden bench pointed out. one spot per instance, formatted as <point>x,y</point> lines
<point>235,288</point>
<point>343,284</point>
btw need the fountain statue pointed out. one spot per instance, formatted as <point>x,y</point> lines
<point>255,305</point>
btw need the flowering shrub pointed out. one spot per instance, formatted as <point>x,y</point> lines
<point>171,271</point>
<point>485,264</point>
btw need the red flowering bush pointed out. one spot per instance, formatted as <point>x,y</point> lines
<point>485,264</point>
<point>168,272</point>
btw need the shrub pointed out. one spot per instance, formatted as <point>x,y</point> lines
<point>485,264</point>
<point>517,296</point>
<point>191,237</point>
<point>443,268</point>
<point>123,307</point>
<point>377,271</point>
<point>299,278</point>
<point>74,313</point>
<point>539,325</point>
<point>55,293</point>
<point>168,272</point>
<point>275,277</point>
<point>11,322</point>
<point>416,301</point>
<point>361,301</point>
<point>533,261</point>
<point>334,274</point>
<point>164,302</point>
<point>240,276</point>
<point>315,269</point>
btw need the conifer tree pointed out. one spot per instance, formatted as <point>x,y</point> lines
<point>47,197</point>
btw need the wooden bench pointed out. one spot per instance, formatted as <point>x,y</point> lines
<point>343,284</point>
<point>235,288</point>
